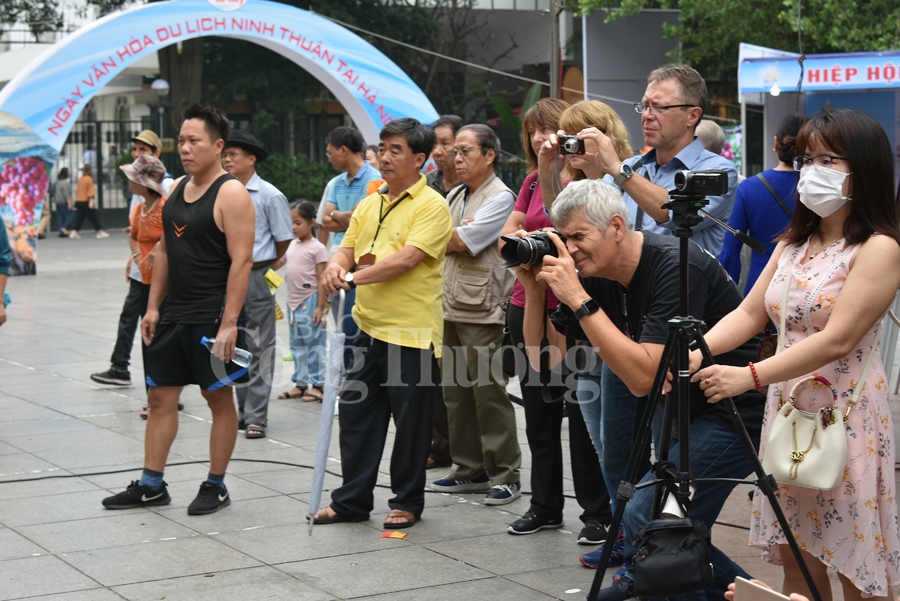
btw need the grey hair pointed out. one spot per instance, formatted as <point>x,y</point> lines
<point>711,135</point>
<point>486,137</point>
<point>599,201</point>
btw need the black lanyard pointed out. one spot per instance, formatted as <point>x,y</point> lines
<point>382,217</point>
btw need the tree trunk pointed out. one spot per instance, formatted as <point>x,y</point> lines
<point>182,66</point>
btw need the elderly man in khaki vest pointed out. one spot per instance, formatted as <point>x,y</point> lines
<point>483,441</point>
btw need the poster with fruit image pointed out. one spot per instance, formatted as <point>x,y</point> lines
<point>25,161</point>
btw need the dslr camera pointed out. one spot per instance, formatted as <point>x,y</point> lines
<point>570,145</point>
<point>708,182</point>
<point>530,250</point>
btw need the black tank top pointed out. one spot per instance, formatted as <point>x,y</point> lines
<point>198,257</point>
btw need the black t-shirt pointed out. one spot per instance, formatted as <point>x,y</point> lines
<point>643,310</point>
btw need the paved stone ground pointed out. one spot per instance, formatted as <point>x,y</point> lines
<point>57,542</point>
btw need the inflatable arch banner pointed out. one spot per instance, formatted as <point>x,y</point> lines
<point>40,105</point>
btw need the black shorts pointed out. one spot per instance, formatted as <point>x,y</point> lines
<point>177,358</point>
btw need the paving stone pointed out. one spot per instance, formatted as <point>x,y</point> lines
<point>376,572</point>
<point>43,488</point>
<point>147,562</point>
<point>495,589</point>
<point>509,554</point>
<point>282,544</point>
<point>15,546</point>
<point>53,508</point>
<point>241,514</point>
<point>555,581</point>
<point>44,575</point>
<point>235,585</point>
<point>112,529</point>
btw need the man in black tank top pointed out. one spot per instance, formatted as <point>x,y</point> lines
<point>201,270</point>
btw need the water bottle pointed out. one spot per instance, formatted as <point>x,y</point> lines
<point>241,357</point>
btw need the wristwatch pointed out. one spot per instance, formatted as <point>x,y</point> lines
<point>587,308</point>
<point>625,173</point>
<point>349,279</point>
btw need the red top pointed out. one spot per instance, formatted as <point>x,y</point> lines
<point>531,202</point>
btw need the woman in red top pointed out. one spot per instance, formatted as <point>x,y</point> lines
<point>543,421</point>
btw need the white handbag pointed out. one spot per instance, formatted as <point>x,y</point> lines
<point>809,449</point>
<point>806,448</point>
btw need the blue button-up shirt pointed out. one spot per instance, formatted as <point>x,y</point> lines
<point>693,157</point>
<point>273,218</point>
<point>347,192</point>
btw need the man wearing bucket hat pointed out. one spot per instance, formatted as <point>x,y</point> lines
<point>273,235</point>
<point>146,143</point>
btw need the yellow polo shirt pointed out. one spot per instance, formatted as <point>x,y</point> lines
<point>407,310</point>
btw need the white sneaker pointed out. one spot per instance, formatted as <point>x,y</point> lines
<point>101,235</point>
<point>74,235</point>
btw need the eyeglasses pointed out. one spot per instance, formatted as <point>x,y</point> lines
<point>463,150</point>
<point>639,108</point>
<point>821,160</point>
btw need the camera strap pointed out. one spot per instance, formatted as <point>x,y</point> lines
<point>639,219</point>
<point>544,374</point>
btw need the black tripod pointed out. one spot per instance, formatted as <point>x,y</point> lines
<point>683,331</point>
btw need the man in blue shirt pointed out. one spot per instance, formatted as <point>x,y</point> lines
<point>671,108</point>
<point>346,150</point>
<point>272,236</point>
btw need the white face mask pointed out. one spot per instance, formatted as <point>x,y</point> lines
<point>821,189</point>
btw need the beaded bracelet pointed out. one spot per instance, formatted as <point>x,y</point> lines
<point>755,375</point>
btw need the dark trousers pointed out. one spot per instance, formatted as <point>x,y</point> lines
<point>385,380</point>
<point>133,308</point>
<point>81,212</point>
<point>543,423</point>
<point>440,434</point>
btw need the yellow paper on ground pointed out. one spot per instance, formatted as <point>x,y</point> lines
<point>279,314</point>
<point>273,280</point>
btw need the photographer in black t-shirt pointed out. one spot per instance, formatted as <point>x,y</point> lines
<point>620,298</point>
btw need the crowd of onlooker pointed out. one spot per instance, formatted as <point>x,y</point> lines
<point>436,324</point>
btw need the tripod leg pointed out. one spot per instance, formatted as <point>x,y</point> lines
<point>765,482</point>
<point>625,490</point>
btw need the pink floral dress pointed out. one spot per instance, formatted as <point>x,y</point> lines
<point>852,528</point>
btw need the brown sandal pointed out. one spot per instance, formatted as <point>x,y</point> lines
<point>410,518</point>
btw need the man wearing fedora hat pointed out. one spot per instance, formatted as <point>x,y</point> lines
<point>146,143</point>
<point>273,235</point>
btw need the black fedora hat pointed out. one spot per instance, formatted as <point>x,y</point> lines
<point>247,141</point>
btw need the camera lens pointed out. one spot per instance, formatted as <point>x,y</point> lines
<point>527,251</point>
<point>571,145</point>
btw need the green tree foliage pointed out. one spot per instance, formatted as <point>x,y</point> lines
<point>297,177</point>
<point>237,69</point>
<point>710,30</point>
<point>38,15</point>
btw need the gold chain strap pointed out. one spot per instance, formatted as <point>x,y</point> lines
<point>796,455</point>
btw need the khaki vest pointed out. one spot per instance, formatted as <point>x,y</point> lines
<point>476,287</point>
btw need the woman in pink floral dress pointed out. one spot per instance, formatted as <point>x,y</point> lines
<point>840,259</point>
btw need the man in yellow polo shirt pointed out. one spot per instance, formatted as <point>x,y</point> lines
<point>396,238</point>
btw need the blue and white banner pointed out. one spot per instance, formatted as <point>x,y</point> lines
<point>823,72</point>
<point>49,94</point>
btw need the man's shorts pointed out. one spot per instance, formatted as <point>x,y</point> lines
<point>176,357</point>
